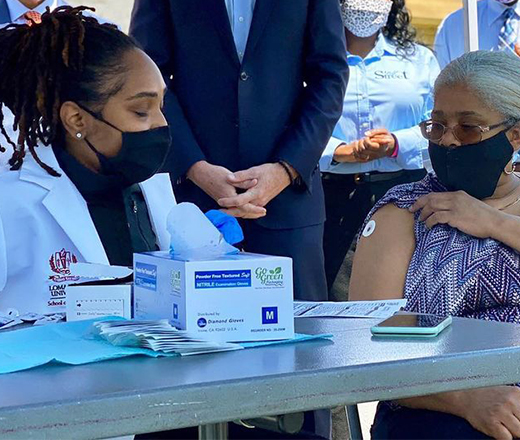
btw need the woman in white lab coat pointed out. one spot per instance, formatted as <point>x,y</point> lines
<point>91,136</point>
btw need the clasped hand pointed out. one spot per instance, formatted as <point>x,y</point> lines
<point>259,184</point>
<point>376,144</point>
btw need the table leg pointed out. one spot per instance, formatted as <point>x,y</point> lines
<point>353,422</point>
<point>214,431</point>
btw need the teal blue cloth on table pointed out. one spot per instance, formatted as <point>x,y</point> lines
<point>71,343</point>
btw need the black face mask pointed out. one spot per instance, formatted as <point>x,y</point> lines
<point>474,168</point>
<point>142,154</point>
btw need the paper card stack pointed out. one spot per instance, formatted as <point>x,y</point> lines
<point>158,336</point>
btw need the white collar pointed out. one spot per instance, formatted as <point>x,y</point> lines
<point>17,9</point>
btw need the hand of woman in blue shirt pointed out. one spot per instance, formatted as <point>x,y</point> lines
<point>346,153</point>
<point>378,143</point>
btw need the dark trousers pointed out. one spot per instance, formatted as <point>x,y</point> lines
<point>406,423</point>
<point>348,200</point>
<point>303,245</point>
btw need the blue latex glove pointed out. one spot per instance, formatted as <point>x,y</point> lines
<point>227,225</point>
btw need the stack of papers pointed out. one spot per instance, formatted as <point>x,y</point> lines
<point>12,320</point>
<point>158,336</point>
<point>7,321</point>
<point>348,309</point>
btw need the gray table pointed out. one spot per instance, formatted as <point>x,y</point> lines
<point>138,395</point>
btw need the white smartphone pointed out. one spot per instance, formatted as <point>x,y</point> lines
<point>410,325</point>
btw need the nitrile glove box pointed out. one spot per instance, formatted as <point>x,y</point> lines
<point>232,298</point>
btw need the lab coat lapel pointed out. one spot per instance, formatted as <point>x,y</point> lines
<point>159,197</point>
<point>4,13</point>
<point>70,211</point>
<point>66,205</point>
<point>262,12</point>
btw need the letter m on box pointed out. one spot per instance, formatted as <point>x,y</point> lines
<point>269,315</point>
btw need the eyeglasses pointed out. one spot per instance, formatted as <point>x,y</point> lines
<point>465,134</point>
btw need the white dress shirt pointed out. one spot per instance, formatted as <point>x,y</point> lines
<point>17,10</point>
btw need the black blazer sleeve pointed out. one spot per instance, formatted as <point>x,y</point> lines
<point>151,27</point>
<point>326,76</point>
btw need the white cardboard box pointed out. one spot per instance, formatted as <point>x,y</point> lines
<point>234,298</point>
<point>96,301</point>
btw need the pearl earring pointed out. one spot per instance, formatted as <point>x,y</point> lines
<point>79,135</point>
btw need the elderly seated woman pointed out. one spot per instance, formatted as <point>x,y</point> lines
<point>450,244</point>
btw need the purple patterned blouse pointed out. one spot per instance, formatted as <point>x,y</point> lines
<point>452,273</point>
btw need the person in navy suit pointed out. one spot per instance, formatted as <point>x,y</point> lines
<point>255,88</point>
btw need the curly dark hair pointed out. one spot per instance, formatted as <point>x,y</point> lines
<point>69,56</point>
<point>399,28</point>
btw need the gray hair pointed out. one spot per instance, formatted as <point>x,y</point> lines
<point>493,76</point>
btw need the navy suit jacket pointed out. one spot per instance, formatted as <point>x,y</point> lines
<point>281,103</point>
<point>4,13</point>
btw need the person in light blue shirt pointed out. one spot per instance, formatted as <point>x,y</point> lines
<point>492,17</point>
<point>377,142</point>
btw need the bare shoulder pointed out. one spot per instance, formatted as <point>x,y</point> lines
<point>388,224</point>
<point>383,255</point>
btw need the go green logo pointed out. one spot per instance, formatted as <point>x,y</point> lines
<point>270,277</point>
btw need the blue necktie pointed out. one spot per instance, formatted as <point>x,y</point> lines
<point>509,32</point>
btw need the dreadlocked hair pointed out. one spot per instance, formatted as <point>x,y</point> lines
<point>69,56</point>
<point>399,28</point>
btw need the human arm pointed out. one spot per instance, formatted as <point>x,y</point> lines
<point>413,148</point>
<point>406,146</point>
<point>495,411</point>
<point>506,230</point>
<point>377,144</point>
<point>327,160</point>
<point>325,72</point>
<point>381,260</point>
<point>270,180</point>
<point>326,75</point>
<point>151,26</point>
<point>213,180</point>
<point>469,215</point>
<point>339,151</point>
<point>380,266</point>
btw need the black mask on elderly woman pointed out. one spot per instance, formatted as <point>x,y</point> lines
<point>474,168</point>
<point>142,154</point>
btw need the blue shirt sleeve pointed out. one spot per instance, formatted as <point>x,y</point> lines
<point>441,46</point>
<point>387,90</point>
<point>412,144</point>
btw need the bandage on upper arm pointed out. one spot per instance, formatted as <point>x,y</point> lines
<point>369,229</point>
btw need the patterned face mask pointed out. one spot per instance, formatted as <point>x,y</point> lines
<point>365,18</point>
